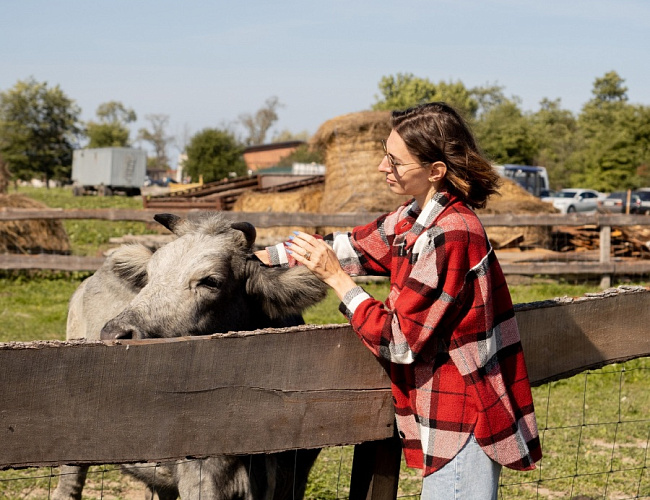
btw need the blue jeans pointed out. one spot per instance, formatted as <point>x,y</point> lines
<point>471,475</point>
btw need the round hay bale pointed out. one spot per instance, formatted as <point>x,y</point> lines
<point>352,148</point>
<point>307,199</point>
<point>352,151</point>
<point>513,199</point>
<point>31,236</point>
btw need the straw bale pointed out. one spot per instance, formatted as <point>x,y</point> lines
<point>352,150</point>
<point>307,199</point>
<point>31,236</point>
<point>513,199</point>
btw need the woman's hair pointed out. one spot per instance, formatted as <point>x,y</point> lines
<point>436,132</point>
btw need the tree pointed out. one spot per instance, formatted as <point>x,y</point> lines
<point>111,130</point>
<point>303,154</point>
<point>158,138</point>
<point>259,124</point>
<point>610,88</point>
<point>39,127</point>
<point>615,137</point>
<point>214,154</point>
<point>405,90</point>
<point>506,134</point>
<point>555,131</point>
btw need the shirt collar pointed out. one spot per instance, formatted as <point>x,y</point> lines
<point>430,212</point>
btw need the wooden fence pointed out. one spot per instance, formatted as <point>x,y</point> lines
<point>605,266</point>
<point>303,387</point>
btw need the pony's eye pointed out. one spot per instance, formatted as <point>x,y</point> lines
<point>211,282</point>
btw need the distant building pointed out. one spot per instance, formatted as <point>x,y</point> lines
<point>268,155</point>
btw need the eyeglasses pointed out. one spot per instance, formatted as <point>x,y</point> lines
<point>391,161</point>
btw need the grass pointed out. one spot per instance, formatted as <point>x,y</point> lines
<point>594,425</point>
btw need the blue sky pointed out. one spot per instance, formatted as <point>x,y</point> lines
<point>204,63</point>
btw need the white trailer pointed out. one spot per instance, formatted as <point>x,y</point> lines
<point>105,171</point>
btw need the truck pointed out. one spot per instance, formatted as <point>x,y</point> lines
<point>533,179</point>
<point>107,171</point>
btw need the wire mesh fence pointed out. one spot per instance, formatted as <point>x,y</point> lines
<point>594,427</point>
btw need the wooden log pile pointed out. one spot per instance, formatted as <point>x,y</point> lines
<point>629,241</point>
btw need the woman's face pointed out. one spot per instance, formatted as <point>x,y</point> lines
<point>405,175</point>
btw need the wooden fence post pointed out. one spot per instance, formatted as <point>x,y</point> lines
<point>375,469</point>
<point>605,249</point>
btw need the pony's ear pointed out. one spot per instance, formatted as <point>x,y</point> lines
<point>283,291</point>
<point>170,221</point>
<point>249,232</point>
<point>129,263</point>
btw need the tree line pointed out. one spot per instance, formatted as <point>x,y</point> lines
<point>605,146</point>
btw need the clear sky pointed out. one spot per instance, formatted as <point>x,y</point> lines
<point>204,63</point>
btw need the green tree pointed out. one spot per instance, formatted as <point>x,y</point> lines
<point>158,139</point>
<point>111,129</point>
<point>404,90</point>
<point>303,154</point>
<point>258,125</point>
<point>506,134</point>
<point>555,131</point>
<point>39,128</point>
<point>615,138</point>
<point>215,154</point>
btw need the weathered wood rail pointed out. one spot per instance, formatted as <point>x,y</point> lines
<point>604,266</point>
<point>304,387</point>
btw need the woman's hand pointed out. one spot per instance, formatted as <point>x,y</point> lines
<point>320,259</point>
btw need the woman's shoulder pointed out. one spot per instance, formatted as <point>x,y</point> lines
<point>458,216</point>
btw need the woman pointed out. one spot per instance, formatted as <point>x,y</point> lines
<point>462,398</point>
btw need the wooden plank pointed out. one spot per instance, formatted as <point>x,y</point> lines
<point>163,399</point>
<point>274,390</point>
<point>319,219</point>
<point>45,261</point>
<point>76,263</point>
<point>562,337</point>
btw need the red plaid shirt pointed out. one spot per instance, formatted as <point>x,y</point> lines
<point>448,329</point>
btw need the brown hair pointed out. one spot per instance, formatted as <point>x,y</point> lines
<point>436,132</point>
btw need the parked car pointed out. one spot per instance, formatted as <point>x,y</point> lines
<point>575,200</point>
<point>644,198</point>
<point>616,203</point>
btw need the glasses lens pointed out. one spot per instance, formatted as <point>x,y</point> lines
<point>388,157</point>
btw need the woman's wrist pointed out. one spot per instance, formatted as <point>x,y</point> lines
<point>341,283</point>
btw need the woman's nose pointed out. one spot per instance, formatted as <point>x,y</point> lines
<point>384,166</point>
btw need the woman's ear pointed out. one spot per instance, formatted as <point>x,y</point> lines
<point>437,171</point>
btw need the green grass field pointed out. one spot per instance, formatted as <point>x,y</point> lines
<point>594,426</point>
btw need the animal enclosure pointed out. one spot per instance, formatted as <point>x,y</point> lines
<point>303,384</point>
<point>616,322</point>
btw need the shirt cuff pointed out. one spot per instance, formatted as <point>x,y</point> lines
<point>351,301</point>
<point>278,255</point>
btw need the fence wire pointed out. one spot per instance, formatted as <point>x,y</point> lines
<point>594,428</point>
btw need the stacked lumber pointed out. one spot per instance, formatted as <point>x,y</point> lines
<point>221,195</point>
<point>630,241</point>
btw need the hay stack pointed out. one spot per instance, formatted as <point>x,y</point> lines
<point>513,199</point>
<point>307,199</point>
<point>352,148</point>
<point>31,236</point>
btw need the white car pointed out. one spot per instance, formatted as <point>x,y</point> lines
<point>575,200</point>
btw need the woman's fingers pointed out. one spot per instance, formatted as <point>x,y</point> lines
<point>302,244</point>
